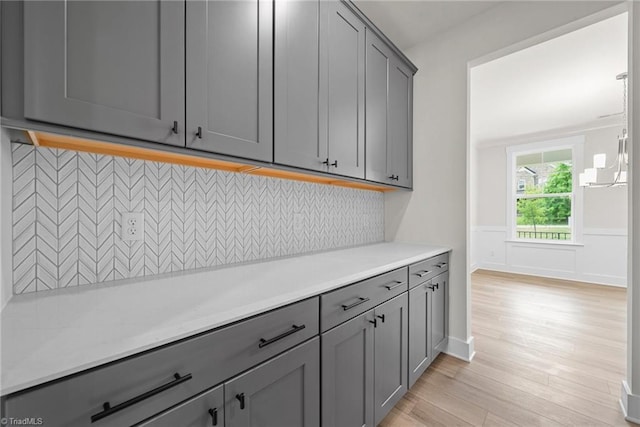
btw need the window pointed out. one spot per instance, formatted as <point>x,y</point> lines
<point>545,202</point>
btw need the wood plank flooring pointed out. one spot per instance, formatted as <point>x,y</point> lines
<point>548,353</point>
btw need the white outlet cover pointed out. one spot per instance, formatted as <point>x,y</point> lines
<point>132,226</point>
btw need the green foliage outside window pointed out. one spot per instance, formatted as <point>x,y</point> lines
<point>548,210</point>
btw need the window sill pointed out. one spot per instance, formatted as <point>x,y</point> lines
<point>547,242</point>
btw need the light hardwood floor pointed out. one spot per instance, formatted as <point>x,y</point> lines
<point>548,352</point>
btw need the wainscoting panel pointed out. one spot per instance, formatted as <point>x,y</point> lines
<point>67,210</point>
<point>602,258</point>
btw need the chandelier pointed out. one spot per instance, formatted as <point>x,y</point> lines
<point>589,178</point>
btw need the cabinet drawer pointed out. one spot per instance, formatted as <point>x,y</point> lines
<point>204,410</point>
<point>346,303</point>
<point>168,375</point>
<point>424,270</point>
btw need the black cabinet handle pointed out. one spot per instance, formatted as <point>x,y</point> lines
<point>374,322</point>
<point>437,285</point>
<point>355,304</point>
<point>422,273</point>
<point>396,283</point>
<point>440,265</point>
<point>381,317</point>
<point>240,398</point>
<point>326,162</point>
<point>335,164</point>
<point>214,416</point>
<point>394,177</point>
<point>199,132</point>
<point>110,410</point>
<point>293,330</point>
<point>174,129</point>
<point>432,287</point>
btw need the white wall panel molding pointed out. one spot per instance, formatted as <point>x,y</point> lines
<point>600,259</point>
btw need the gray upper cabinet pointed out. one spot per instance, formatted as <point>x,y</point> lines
<point>400,154</point>
<point>284,391</point>
<point>390,355</point>
<point>347,373</point>
<point>297,45</point>
<point>229,77</point>
<point>114,67</point>
<point>342,80</point>
<point>389,113</point>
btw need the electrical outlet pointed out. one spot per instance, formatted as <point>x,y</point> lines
<point>132,226</point>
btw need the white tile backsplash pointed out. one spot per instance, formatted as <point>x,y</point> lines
<point>67,210</point>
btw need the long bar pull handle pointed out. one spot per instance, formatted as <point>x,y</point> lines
<point>199,132</point>
<point>174,129</point>
<point>381,317</point>
<point>422,273</point>
<point>293,330</point>
<point>396,283</point>
<point>110,410</point>
<point>355,304</point>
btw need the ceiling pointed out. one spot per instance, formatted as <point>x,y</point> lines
<point>565,82</point>
<point>407,23</point>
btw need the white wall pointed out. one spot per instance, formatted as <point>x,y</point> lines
<point>437,210</point>
<point>602,256</point>
<point>5,218</point>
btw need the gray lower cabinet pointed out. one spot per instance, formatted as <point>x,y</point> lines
<point>419,330</point>
<point>204,410</point>
<point>297,45</point>
<point>229,72</point>
<point>390,355</point>
<point>282,392</point>
<point>342,84</point>
<point>389,113</point>
<point>348,373</point>
<point>114,67</point>
<point>439,315</point>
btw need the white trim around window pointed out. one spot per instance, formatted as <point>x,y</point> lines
<point>576,144</point>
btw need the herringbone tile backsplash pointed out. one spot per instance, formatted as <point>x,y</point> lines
<point>67,210</point>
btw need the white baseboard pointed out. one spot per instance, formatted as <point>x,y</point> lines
<point>630,404</point>
<point>463,350</point>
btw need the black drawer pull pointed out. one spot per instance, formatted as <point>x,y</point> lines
<point>422,273</point>
<point>355,304</point>
<point>381,317</point>
<point>440,265</point>
<point>293,330</point>
<point>240,398</point>
<point>432,287</point>
<point>214,416</point>
<point>110,410</point>
<point>396,283</point>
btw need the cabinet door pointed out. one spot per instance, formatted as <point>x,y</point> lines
<point>400,151</point>
<point>347,374</point>
<point>390,355</point>
<point>108,66</point>
<point>419,331</point>
<point>229,77</point>
<point>284,391</point>
<point>296,85</point>
<point>342,61</point>
<point>377,110</point>
<point>439,315</point>
<point>204,410</point>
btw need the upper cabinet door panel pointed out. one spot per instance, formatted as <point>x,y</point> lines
<point>377,109</point>
<point>342,62</point>
<point>399,146</point>
<point>296,85</point>
<point>108,66</point>
<point>229,77</point>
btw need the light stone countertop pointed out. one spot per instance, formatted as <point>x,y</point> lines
<point>48,335</point>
